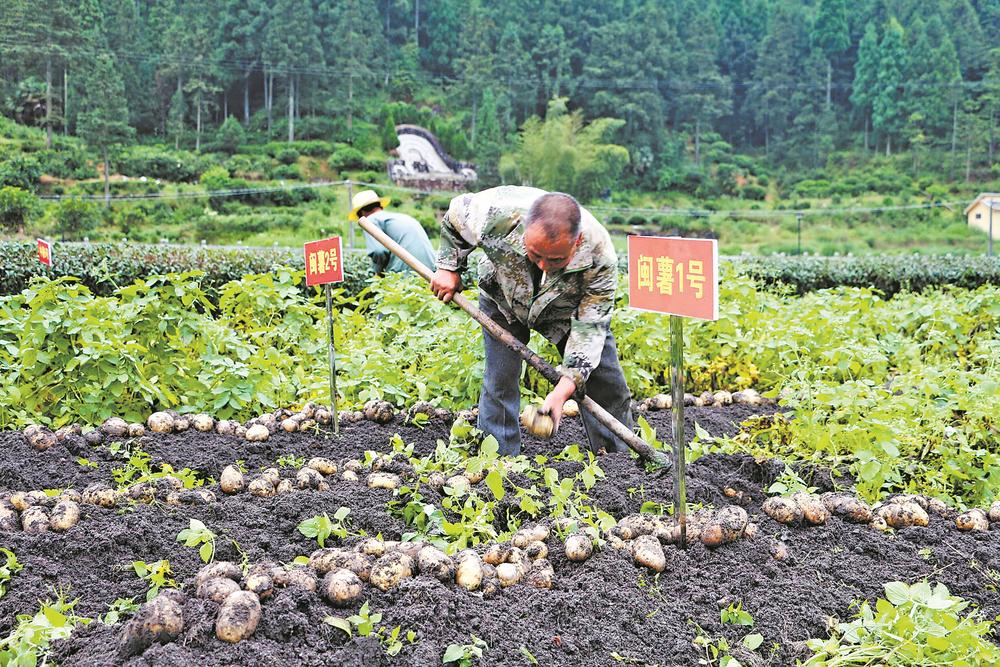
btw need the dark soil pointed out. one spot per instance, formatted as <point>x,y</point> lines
<point>597,610</point>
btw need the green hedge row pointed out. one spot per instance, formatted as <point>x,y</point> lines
<point>103,266</point>
<point>888,273</point>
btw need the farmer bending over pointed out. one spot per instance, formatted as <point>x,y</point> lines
<point>548,266</point>
<point>401,228</point>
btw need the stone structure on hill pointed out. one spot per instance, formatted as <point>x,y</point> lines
<point>421,162</point>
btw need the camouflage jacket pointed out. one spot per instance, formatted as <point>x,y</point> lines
<point>575,301</point>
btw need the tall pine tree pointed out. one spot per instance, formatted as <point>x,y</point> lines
<point>888,104</point>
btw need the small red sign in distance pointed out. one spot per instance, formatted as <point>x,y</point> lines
<point>324,261</point>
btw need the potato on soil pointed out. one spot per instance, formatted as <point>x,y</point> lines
<point>490,583</point>
<point>779,551</point>
<point>974,519</point>
<point>115,427</point>
<point>257,433</point>
<point>383,480</point>
<point>497,553</point>
<point>646,551</point>
<point>579,548</point>
<point>94,437</point>
<point>20,500</point>
<point>722,398</point>
<point>100,494</point>
<point>260,583</point>
<point>302,578</point>
<point>160,422</point>
<point>994,513</point>
<point>727,526</point>
<point>748,396</point>
<point>232,480</point>
<point>475,477</point>
<point>307,478</point>
<point>435,563</point>
<point>371,547</point>
<point>307,425</point>
<point>459,484</point>
<point>342,587</point>
<point>379,412</point>
<point>353,465</point>
<point>541,574</point>
<point>286,486</point>
<point>41,498</point>
<point>782,510</point>
<point>65,515</point>
<point>217,589</point>
<point>902,515</point>
<point>469,570</point>
<point>390,570</point>
<point>323,416</point>
<point>220,569</point>
<point>40,437</point>
<point>202,422</point>
<point>262,488</point>
<point>509,574</point>
<point>158,621</point>
<point>349,476</point>
<point>136,430</point>
<point>181,423</point>
<point>35,520</point>
<point>813,509</point>
<point>9,519</point>
<point>322,465</point>
<point>273,475</point>
<point>847,507</point>
<point>238,617</point>
<point>536,550</point>
<point>633,526</point>
<point>940,508</point>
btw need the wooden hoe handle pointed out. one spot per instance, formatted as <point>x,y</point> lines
<point>637,444</point>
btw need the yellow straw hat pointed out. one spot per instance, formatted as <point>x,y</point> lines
<point>365,198</point>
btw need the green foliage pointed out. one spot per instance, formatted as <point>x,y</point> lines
<point>29,643</point>
<point>198,533</point>
<point>322,527</point>
<point>562,153</point>
<point>17,208</point>
<point>464,655</point>
<point>912,625</point>
<point>160,162</point>
<point>365,624</point>
<point>119,609</point>
<point>20,171</point>
<point>104,267</point>
<point>8,569</point>
<point>75,218</point>
<point>156,575</point>
<point>230,135</point>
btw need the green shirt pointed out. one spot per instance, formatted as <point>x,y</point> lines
<point>405,231</point>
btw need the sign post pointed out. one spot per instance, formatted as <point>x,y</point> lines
<point>325,266</point>
<point>679,277</point>
<point>44,252</point>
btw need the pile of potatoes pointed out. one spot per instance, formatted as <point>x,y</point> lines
<point>35,512</point>
<point>317,474</point>
<point>706,398</point>
<point>642,535</point>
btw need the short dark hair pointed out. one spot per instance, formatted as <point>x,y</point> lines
<point>557,213</point>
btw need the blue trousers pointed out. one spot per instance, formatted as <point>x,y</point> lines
<point>500,398</point>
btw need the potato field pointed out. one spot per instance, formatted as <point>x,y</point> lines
<point>172,490</point>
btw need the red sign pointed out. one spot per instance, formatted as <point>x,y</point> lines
<point>45,252</point>
<point>674,275</point>
<point>324,261</point>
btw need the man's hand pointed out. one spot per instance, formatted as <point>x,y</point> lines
<point>553,404</point>
<point>445,283</point>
